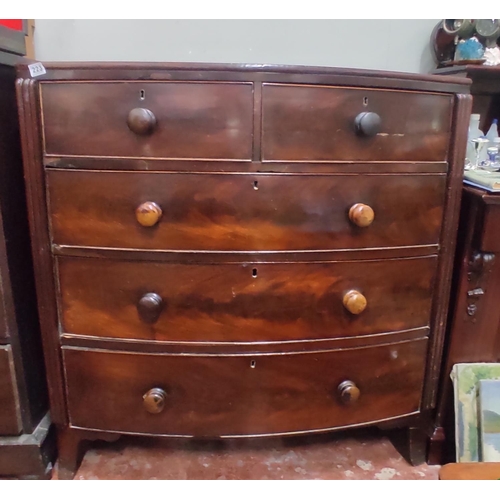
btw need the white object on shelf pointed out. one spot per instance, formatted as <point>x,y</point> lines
<point>474,133</point>
<point>493,131</point>
<point>492,56</point>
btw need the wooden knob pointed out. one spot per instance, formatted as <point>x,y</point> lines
<point>141,121</point>
<point>148,213</point>
<point>361,215</point>
<point>149,307</point>
<point>348,392</point>
<point>154,400</point>
<point>368,124</point>
<point>354,302</point>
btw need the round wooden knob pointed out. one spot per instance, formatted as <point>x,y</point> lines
<point>348,392</point>
<point>148,213</point>
<point>141,121</point>
<point>154,400</point>
<point>368,124</point>
<point>354,302</point>
<point>149,307</point>
<point>361,215</point>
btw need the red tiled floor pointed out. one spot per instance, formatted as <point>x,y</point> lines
<point>366,454</point>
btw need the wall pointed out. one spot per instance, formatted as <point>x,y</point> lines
<point>398,45</point>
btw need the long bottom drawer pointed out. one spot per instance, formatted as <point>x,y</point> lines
<point>238,395</point>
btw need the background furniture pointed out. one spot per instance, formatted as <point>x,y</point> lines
<point>26,443</point>
<point>232,251</point>
<point>474,325</point>
<point>485,89</point>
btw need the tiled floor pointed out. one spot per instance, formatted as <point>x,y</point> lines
<point>365,454</point>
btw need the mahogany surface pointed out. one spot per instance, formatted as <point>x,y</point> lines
<point>310,123</point>
<point>194,120</point>
<point>249,302</point>
<point>243,212</point>
<point>200,266</point>
<point>256,394</point>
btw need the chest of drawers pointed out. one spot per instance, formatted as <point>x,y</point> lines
<point>240,251</point>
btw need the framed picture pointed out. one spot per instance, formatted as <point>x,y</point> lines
<point>466,378</point>
<point>489,420</point>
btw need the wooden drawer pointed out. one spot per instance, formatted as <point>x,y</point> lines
<point>182,119</point>
<point>10,416</point>
<point>243,211</point>
<point>222,396</point>
<point>242,302</point>
<point>313,123</point>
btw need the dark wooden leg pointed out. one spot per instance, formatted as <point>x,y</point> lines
<point>70,449</point>
<point>69,441</point>
<point>411,442</point>
<point>417,445</point>
<point>437,441</point>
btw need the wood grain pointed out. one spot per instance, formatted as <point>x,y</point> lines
<point>193,120</point>
<point>242,395</point>
<point>243,212</point>
<point>243,302</point>
<point>312,123</point>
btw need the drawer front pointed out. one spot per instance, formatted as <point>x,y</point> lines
<point>243,302</point>
<point>146,119</point>
<point>307,123</point>
<point>242,395</point>
<point>10,414</point>
<point>243,211</point>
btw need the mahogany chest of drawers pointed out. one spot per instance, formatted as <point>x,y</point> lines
<point>240,251</point>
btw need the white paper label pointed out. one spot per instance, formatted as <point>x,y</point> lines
<point>36,69</point>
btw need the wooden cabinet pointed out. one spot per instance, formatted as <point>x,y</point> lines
<point>241,251</point>
<point>26,440</point>
<point>473,334</point>
<point>474,324</point>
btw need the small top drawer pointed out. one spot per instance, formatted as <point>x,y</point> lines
<point>148,119</point>
<point>312,123</point>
